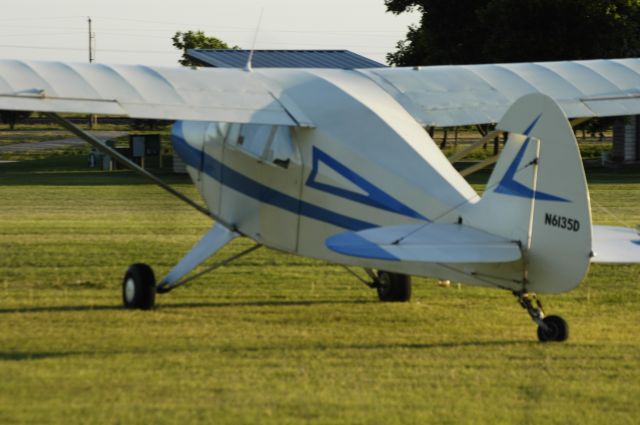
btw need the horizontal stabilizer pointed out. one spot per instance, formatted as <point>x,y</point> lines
<point>615,245</point>
<point>428,243</point>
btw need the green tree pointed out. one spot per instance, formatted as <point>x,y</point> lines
<point>544,30</point>
<point>489,31</point>
<point>447,34</point>
<point>196,40</point>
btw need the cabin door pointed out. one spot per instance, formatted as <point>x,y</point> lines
<point>262,180</point>
<point>210,174</point>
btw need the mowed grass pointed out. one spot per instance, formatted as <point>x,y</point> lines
<point>279,339</point>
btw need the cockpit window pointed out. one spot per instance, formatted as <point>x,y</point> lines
<point>216,133</point>
<point>255,139</point>
<point>282,149</point>
<point>269,144</point>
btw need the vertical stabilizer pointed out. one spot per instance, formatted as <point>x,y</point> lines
<point>538,195</point>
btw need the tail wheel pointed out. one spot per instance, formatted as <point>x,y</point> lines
<point>393,287</point>
<point>139,287</point>
<point>556,329</point>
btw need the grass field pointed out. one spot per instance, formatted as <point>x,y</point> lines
<point>277,339</point>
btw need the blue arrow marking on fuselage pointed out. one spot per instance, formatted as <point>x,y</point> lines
<point>509,186</point>
<point>375,197</point>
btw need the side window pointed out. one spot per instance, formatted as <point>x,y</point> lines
<point>269,144</point>
<point>254,139</point>
<point>232,135</point>
<point>282,150</point>
<point>216,133</point>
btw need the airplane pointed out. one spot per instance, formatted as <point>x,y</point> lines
<point>336,165</point>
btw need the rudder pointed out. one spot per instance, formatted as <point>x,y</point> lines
<point>538,195</point>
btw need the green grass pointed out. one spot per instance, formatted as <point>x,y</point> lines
<point>14,137</point>
<point>104,124</point>
<point>279,339</point>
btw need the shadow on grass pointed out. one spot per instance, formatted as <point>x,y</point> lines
<point>58,309</point>
<point>434,345</point>
<point>20,356</point>
<point>265,303</point>
<point>419,346</point>
<point>43,355</point>
<point>162,307</point>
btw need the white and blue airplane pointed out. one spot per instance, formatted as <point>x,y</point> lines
<point>337,165</point>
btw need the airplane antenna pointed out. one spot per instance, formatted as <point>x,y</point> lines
<point>249,66</point>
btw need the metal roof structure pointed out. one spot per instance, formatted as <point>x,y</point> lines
<point>335,59</point>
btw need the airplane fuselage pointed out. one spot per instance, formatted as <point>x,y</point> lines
<point>360,167</point>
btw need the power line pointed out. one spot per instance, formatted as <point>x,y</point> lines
<point>245,29</point>
<point>83,49</point>
<point>42,34</point>
<point>32,18</point>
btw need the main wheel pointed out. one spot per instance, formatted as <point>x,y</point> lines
<point>557,329</point>
<point>139,287</point>
<point>393,287</point>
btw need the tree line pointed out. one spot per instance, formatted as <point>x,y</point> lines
<point>495,31</point>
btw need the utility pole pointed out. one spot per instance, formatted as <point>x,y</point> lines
<point>92,38</point>
<point>93,119</point>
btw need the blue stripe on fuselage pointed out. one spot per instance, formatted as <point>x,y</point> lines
<point>249,187</point>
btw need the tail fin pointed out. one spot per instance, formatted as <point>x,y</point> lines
<point>538,195</point>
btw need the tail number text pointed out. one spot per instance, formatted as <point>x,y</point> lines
<point>561,222</point>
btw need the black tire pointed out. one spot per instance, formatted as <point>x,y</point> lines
<point>557,331</point>
<point>139,287</point>
<point>393,287</point>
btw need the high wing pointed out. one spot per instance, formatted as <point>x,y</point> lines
<point>171,93</point>
<point>447,96</point>
<point>434,96</point>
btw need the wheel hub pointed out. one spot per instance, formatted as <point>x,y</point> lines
<point>129,290</point>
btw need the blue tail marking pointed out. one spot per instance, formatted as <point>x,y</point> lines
<point>509,186</point>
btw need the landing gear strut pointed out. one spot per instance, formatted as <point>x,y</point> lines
<point>550,328</point>
<point>139,287</point>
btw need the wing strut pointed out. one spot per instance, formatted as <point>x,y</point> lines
<point>103,148</point>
